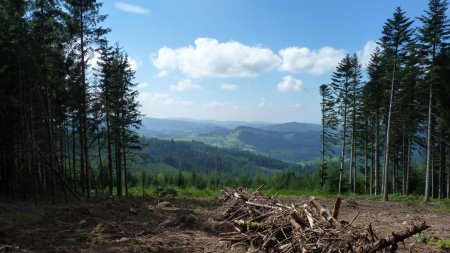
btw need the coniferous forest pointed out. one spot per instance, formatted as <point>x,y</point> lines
<point>400,113</point>
<point>69,111</point>
<point>59,109</point>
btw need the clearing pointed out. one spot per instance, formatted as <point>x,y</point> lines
<point>180,224</point>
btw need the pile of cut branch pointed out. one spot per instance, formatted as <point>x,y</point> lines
<point>262,223</point>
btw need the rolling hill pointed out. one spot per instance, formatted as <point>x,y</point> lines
<point>187,155</point>
<point>292,141</point>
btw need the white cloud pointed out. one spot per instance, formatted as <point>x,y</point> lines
<point>366,53</point>
<point>289,83</point>
<point>316,62</point>
<point>134,63</point>
<point>262,102</point>
<point>162,74</point>
<point>185,85</point>
<point>228,86</point>
<point>216,105</point>
<point>131,8</point>
<point>160,99</point>
<point>141,86</point>
<point>211,58</point>
<point>93,60</point>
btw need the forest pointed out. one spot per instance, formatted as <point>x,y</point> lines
<point>59,111</point>
<point>402,109</point>
<point>68,121</point>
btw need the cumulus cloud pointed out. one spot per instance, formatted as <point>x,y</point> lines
<point>93,60</point>
<point>316,62</point>
<point>211,58</point>
<point>365,54</point>
<point>289,83</point>
<point>160,99</point>
<point>134,63</point>
<point>185,85</point>
<point>131,8</point>
<point>228,86</point>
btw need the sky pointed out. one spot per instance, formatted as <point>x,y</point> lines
<point>246,60</point>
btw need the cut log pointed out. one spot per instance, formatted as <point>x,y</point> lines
<point>393,239</point>
<point>309,216</point>
<point>336,207</point>
<point>326,214</point>
<point>301,223</point>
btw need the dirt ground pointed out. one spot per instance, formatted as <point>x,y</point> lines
<point>177,224</point>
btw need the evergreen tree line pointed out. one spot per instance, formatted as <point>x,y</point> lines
<point>65,120</point>
<point>402,111</point>
<point>169,181</point>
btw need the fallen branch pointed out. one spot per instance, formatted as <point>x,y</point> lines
<point>393,239</point>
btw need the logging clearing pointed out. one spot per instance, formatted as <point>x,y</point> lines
<point>187,224</point>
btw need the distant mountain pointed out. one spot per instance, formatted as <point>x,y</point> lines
<point>167,127</point>
<point>226,124</point>
<point>290,145</point>
<point>290,141</point>
<point>293,127</point>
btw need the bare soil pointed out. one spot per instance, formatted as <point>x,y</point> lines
<point>178,224</point>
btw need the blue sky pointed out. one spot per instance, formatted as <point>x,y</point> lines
<point>250,60</point>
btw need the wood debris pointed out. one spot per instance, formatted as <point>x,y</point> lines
<point>263,224</point>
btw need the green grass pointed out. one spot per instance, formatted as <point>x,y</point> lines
<point>174,191</point>
<point>409,200</point>
<point>444,205</point>
<point>434,241</point>
<point>443,244</point>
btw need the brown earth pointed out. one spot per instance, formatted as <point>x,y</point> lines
<point>178,224</point>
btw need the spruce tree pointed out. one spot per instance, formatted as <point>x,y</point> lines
<point>433,36</point>
<point>397,34</point>
<point>329,122</point>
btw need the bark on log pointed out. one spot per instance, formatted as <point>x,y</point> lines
<point>336,207</point>
<point>393,239</point>
<point>309,216</point>
<point>324,212</point>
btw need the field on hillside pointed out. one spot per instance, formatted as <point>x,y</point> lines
<point>182,224</point>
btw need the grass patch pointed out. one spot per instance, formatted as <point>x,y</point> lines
<point>434,241</point>
<point>443,244</point>
<point>171,191</point>
<point>444,205</point>
<point>291,192</point>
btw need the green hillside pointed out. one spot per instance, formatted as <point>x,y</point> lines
<point>188,155</point>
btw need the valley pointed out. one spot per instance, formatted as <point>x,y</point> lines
<point>294,142</point>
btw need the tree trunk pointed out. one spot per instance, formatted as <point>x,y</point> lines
<point>322,154</point>
<point>74,184</point>
<point>124,146</point>
<point>432,171</point>
<point>429,135</point>
<point>82,164</point>
<point>404,153</point>
<point>85,110</point>
<point>372,166</point>
<point>100,161</point>
<point>341,170</point>
<point>448,167</point>
<point>377,151</point>
<point>118,149</point>
<point>366,156</point>
<point>442,163</point>
<point>388,133</point>
<point>408,166</point>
